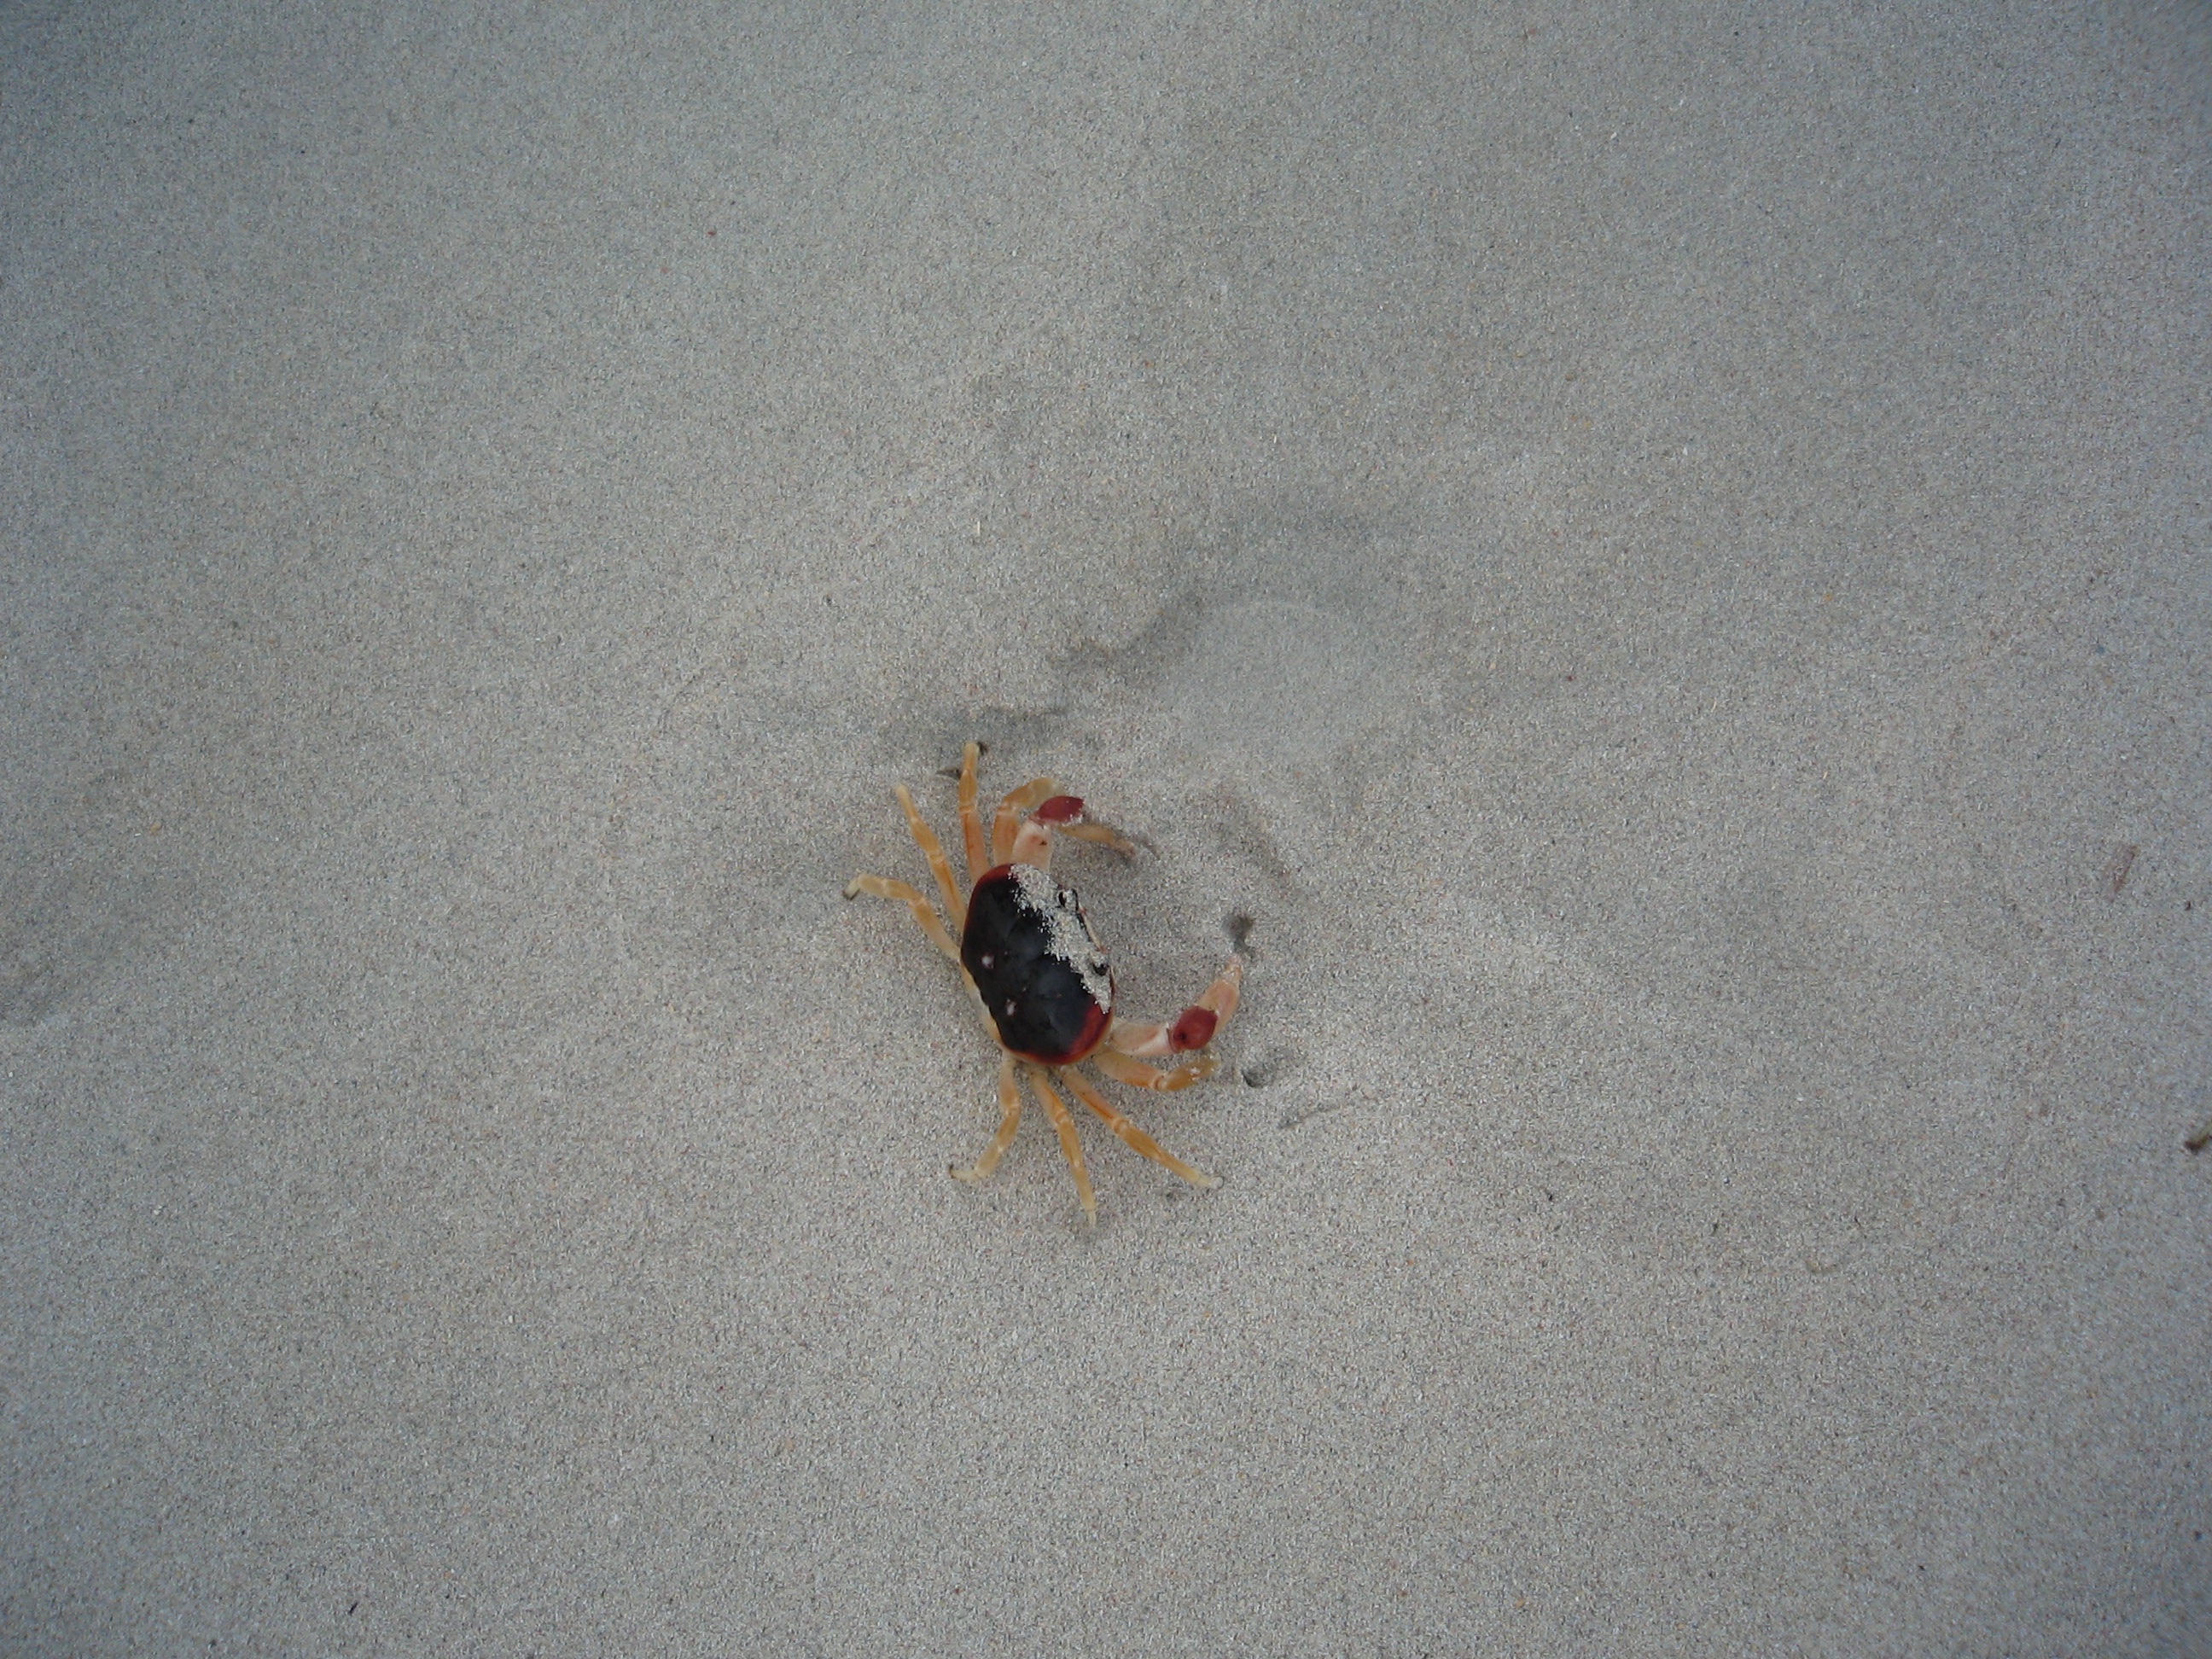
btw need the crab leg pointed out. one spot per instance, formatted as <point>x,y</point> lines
<point>1010,1099</point>
<point>1123,1069</point>
<point>971,824</point>
<point>1020,801</point>
<point>926,838</point>
<point>1195,1027</point>
<point>1139,1036</point>
<point>884,887</point>
<point>1130,1134</point>
<point>1070,1147</point>
<point>1221,997</point>
<point>1104,834</point>
<point>1062,814</point>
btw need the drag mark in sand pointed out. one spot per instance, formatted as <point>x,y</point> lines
<point>2117,869</point>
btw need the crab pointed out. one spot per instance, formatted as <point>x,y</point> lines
<point>1037,972</point>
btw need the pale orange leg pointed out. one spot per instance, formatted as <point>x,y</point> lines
<point>926,838</point>
<point>1130,1134</point>
<point>971,823</point>
<point>1070,1147</point>
<point>1104,834</point>
<point>1151,1042</point>
<point>1221,997</point>
<point>1032,842</point>
<point>1034,793</point>
<point>1137,1036</point>
<point>1135,1072</point>
<point>884,887</point>
<point>1009,1101</point>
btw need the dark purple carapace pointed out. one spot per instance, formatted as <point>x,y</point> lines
<point>1043,978</point>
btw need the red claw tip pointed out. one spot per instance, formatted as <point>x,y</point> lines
<point>1194,1030</point>
<point>1060,809</point>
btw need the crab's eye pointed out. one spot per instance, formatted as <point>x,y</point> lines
<point>987,959</point>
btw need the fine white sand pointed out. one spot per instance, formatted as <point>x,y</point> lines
<point>1659,554</point>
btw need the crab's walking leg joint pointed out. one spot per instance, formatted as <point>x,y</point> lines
<point>926,838</point>
<point>971,824</point>
<point>1138,1075</point>
<point>1010,1102</point>
<point>1130,1134</point>
<point>1193,1028</point>
<point>883,887</point>
<point>1070,1147</point>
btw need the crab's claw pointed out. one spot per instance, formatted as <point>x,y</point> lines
<point>1194,1030</point>
<point>1196,1025</point>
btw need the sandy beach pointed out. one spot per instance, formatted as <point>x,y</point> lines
<point>1651,563</point>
